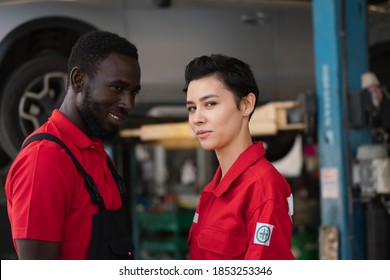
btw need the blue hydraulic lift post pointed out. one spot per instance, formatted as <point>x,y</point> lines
<point>357,63</point>
<point>340,58</point>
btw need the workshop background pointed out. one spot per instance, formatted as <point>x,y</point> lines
<point>323,68</point>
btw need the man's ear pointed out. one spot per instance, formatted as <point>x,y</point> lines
<point>248,104</point>
<point>77,79</point>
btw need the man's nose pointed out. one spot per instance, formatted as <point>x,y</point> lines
<point>127,101</point>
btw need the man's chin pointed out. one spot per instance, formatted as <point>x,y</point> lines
<point>108,134</point>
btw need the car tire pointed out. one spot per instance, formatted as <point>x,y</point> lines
<point>278,146</point>
<point>4,159</point>
<point>28,97</point>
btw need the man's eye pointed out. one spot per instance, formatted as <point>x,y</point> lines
<point>117,87</point>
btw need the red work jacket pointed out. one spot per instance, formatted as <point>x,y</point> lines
<point>246,215</point>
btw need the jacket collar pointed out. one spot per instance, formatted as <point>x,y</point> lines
<point>72,132</point>
<point>243,162</point>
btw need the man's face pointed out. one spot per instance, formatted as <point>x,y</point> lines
<point>110,95</point>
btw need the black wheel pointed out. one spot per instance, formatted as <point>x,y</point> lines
<point>278,146</point>
<point>4,158</point>
<point>28,98</point>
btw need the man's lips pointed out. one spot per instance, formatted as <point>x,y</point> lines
<point>117,116</point>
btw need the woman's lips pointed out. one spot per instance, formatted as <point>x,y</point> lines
<point>202,134</point>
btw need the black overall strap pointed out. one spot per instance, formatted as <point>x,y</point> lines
<point>89,183</point>
<point>122,188</point>
<point>117,177</point>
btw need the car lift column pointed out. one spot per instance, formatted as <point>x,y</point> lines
<point>341,53</point>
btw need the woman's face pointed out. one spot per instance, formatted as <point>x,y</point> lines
<point>213,113</point>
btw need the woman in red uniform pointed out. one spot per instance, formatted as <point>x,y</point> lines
<point>245,212</point>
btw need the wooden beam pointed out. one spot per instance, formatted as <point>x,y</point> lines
<point>266,120</point>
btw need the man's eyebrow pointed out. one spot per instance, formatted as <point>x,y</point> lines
<point>119,82</point>
<point>126,84</point>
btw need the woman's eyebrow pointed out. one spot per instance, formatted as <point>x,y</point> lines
<point>203,98</point>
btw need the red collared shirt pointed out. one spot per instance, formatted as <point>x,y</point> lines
<point>246,215</point>
<point>46,196</point>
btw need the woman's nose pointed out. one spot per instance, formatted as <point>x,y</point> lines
<point>198,117</point>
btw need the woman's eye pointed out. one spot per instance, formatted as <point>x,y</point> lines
<point>190,109</point>
<point>210,104</point>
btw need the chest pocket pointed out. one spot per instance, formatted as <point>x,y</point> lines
<point>231,244</point>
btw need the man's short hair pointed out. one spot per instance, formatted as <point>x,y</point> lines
<point>93,47</point>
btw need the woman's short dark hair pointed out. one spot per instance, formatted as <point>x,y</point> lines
<point>234,73</point>
<point>93,47</point>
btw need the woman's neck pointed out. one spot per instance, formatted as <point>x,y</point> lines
<point>228,155</point>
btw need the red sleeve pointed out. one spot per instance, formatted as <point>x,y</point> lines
<point>269,233</point>
<point>40,185</point>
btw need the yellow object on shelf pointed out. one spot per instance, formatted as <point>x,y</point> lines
<point>266,120</point>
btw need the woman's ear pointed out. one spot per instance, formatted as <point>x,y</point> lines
<point>77,79</point>
<point>248,104</point>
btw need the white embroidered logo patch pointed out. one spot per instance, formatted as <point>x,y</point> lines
<point>290,202</point>
<point>263,234</point>
<point>196,216</point>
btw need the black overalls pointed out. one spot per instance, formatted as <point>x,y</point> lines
<point>111,229</point>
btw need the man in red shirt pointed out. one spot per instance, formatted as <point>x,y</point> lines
<point>245,212</point>
<point>50,208</point>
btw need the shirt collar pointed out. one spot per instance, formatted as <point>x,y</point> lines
<point>72,131</point>
<point>245,160</point>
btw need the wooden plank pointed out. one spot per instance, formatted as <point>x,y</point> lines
<point>266,120</point>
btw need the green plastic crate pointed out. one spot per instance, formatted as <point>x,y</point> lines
<point>165,221</point>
